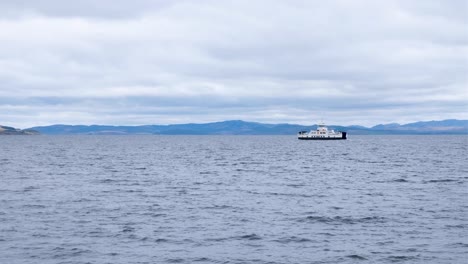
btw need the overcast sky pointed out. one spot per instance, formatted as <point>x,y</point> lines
<point>159,62</point>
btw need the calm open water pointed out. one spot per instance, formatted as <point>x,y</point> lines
<point>233,199</point>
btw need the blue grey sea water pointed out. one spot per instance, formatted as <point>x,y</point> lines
<point>233,199</point>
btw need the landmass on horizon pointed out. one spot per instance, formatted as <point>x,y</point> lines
<point>239,127</point>
<point>6,130</point>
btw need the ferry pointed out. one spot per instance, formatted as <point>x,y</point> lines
<point>322,133</point>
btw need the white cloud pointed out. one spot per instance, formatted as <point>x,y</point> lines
<point>274,60</point>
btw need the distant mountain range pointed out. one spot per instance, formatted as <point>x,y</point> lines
<point>238,127</point>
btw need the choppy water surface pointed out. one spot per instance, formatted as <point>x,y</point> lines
<point>233,199</point>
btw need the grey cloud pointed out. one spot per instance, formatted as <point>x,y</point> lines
<point>114,9</point>
<point>261,60</point>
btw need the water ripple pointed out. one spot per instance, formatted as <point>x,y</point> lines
<point>233,199</point>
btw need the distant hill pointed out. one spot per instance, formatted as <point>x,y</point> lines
<point>449,126</point>
<point>239,127</point>
<point>6,130</point>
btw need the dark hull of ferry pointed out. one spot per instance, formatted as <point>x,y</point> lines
<point>321,138</point>
<point>343,136</point>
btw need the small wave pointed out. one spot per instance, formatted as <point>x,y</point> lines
<point>218,207</point>
<point>66,253</point>
<point>292,239</point>
<point>128,229</point>
<point>251,237</point>
<point>400,180</point>
<point>78,251</point>
<point>251,163</point>
<point>58,248</point>
<point>400,258</point>
<point>295,185</point>
<point>292,194</point>
<point>356,257</point>
<point>336,220</point>
<point>458,244</point>
<point>107,181</point>
<point>30,188</point>
<point>175,260</point>
<point>456,226</point>
<point>202,260</point>
<point>375,194</point>
<point>38,206</point>
<point>82,200</point>
<point>327,234</point>
<point>244,237</point>
<point>151,214</point>
<point>442,180</point>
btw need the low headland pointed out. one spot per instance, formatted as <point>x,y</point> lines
<point>6,130</point>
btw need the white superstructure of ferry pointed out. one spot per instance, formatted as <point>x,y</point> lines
<point>322,133</point>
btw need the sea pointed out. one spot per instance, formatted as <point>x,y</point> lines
<point>233,199</point>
